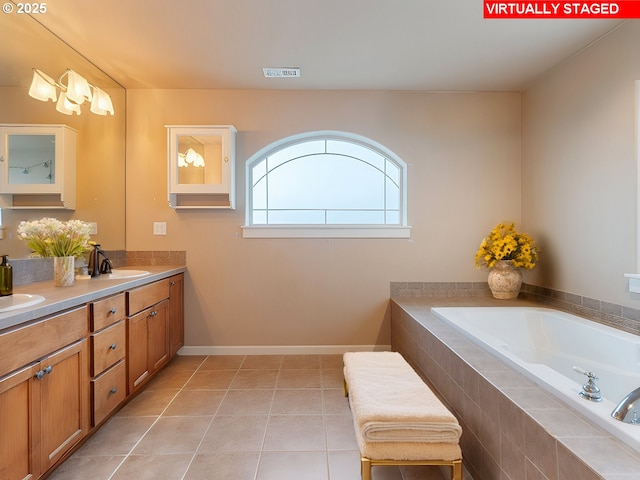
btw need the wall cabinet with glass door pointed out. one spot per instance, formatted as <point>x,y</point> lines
<point>201,166</point>
<point>37,166</point>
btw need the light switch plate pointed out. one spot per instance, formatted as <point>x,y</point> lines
<point>159,228</point>
<point>94,228</point>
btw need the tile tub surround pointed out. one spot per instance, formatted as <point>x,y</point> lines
<point>512,429</point>
<point>611,314</point>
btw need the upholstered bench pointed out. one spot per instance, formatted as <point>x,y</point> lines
<point>398,420</point>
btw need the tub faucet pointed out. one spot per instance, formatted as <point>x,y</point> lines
<point>627,410</point>
<point>590,391</point>
<point>95,267</point>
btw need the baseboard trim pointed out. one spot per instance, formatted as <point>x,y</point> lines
<point>281,349</point>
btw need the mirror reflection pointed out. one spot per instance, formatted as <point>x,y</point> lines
<point>31,159</point>
<point>200,159</point>
<point>100,146</point>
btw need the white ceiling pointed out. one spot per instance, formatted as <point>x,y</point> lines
<point>433,45</point>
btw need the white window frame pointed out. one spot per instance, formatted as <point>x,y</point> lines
<point>325,230</point>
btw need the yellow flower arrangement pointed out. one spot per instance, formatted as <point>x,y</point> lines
<point>504,243</point>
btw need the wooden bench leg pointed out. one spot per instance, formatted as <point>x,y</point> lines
<point>365,468</point>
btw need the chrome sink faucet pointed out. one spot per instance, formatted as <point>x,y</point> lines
<point>95,267</point>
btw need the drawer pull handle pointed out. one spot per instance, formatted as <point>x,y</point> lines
<point>113,346</point>
<point>153,314</point>
<point>112,311</point>
<point>113,390</point>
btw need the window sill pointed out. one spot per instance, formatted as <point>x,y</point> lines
<point>325,231</point>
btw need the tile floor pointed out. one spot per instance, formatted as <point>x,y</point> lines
<point>234,418</point>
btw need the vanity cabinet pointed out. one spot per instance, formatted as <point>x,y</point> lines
<point>44,401</point>
<point>147,332</point>
<point>37,166</point>
<point>201,166</point>
<point>108,341</point>
<point>62,375</point>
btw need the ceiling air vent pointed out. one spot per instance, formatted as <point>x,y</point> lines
<point>281,72</point>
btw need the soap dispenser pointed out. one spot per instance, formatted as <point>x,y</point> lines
<point>6,277</point>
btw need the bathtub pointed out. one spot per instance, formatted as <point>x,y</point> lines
<point>546,344</point>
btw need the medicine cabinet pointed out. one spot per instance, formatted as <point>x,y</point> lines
<point>37,166</point>
<point>201,163</point>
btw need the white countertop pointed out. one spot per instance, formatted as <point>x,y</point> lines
<point>57,299</point>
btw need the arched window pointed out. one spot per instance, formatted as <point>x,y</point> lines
<point>326,184</point>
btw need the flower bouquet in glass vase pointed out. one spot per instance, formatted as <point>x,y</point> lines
<point>505,251</point>
<point>49,237</point>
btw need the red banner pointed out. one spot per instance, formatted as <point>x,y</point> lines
<point>583,10</point>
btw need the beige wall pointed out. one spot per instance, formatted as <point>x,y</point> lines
<point>579,169</point>
<point>463,152</point>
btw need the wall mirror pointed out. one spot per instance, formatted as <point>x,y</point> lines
<point>100,158</point>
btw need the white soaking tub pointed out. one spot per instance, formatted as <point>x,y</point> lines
<point>546,344</point>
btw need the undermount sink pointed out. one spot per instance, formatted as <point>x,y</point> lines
<point>117,273</point>
<point>19,300</point>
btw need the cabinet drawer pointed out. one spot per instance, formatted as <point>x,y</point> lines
<point>108,390</point>
<point>143,297</point>
<point>32,342</point>
<point>107,311</point>
<point>107,347</point>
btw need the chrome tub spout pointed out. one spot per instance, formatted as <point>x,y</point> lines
<point>628,410</point>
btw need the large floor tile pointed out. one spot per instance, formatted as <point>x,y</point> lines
<point>295,433</point>
<point>117,436</point>
<point>195,403</point>
<point>235,433</point>
<point>154,467</point>
<point>251,402</point>
<point>223,466</point>
<point>297,401</point>
<point>248,379</point>
<point>173,435</point>
<point>293,466</point>
<point>149,403</point>
<point>211,380</point>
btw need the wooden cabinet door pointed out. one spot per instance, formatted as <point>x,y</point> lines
<point>158,335</point>
<point>17,425</point>
<point>137,369</point>
<point>176,314</point>
<point>64,401</point>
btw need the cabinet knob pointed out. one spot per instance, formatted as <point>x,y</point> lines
<point>172,283</point>
<point>41,373</point>
<point>112,311</point>
<point>113,346</point>
<point>153,313</point>
<point>113,390</point>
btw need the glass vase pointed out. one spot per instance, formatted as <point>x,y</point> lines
<point>63,271</point>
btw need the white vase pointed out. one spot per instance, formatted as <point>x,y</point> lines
<point>505,280</point>
<point>63,271</point>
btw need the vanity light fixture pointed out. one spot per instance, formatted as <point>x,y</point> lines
<point>71,95</point>
<point>190,157</point>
